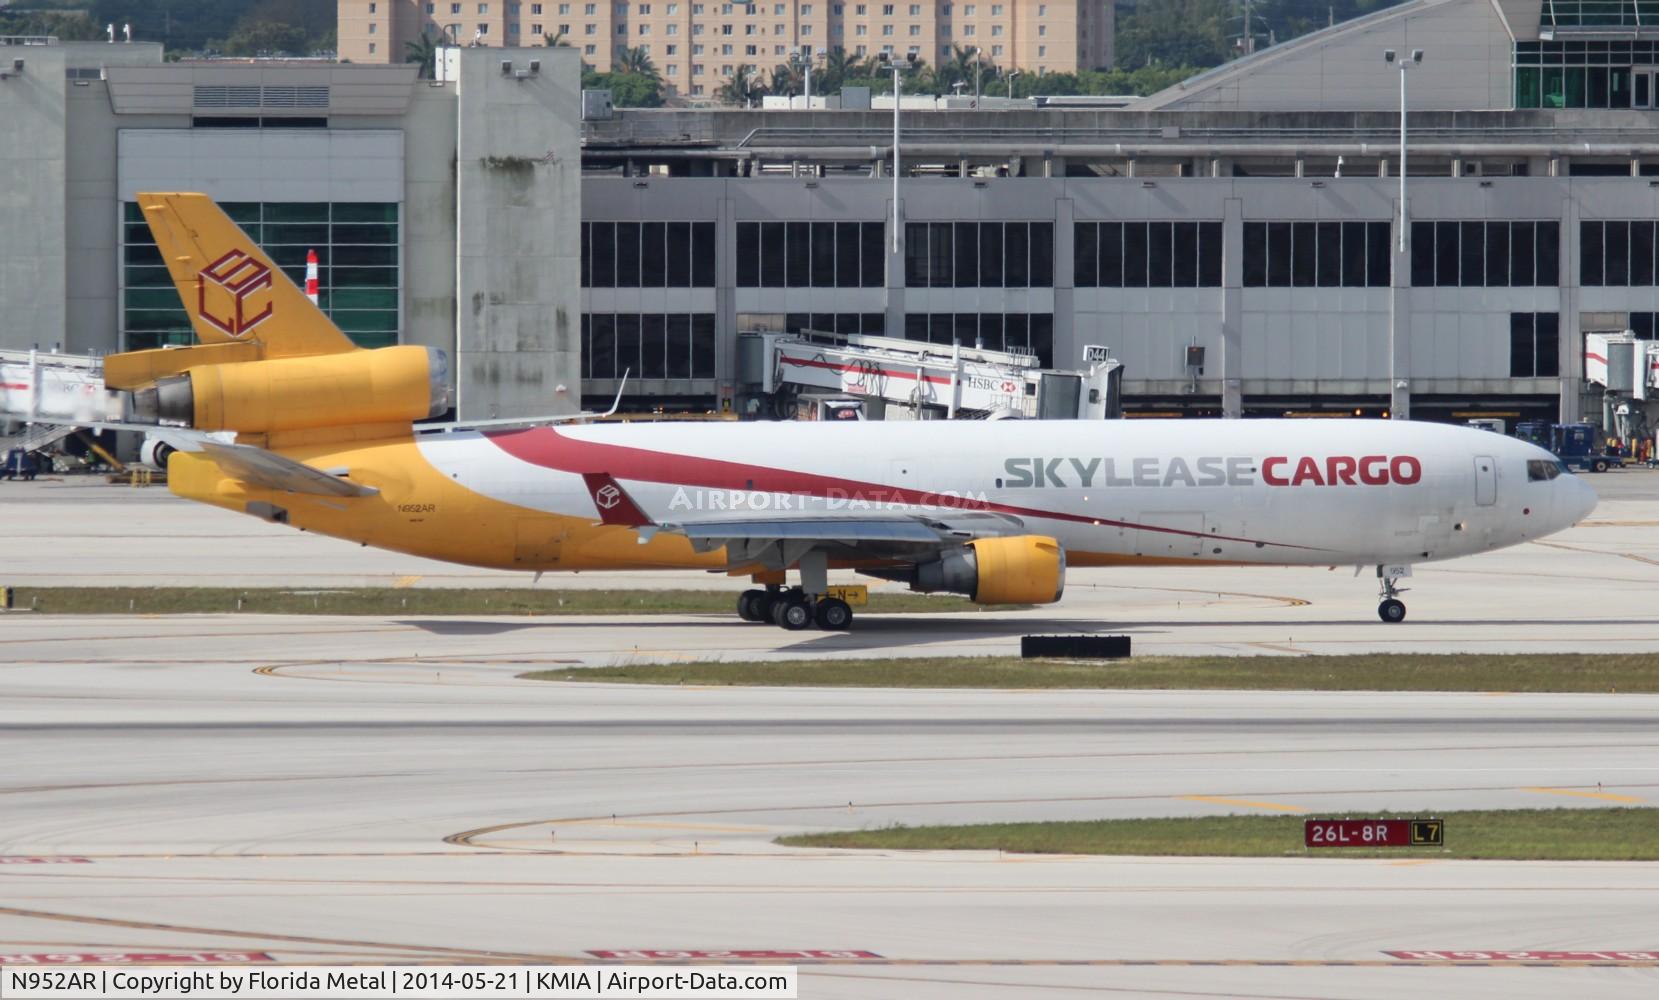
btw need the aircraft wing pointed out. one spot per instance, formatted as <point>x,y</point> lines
<point>752,535</point>
<point>898,526</point>
<point>275,472</point>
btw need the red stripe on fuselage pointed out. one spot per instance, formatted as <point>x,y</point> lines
<point>549,449</point>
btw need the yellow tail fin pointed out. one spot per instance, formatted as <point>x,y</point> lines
<point>232,291</point>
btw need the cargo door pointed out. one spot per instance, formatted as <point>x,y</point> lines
<point>538,542</point>
<point>1486,481</point>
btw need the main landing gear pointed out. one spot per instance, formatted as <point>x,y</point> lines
<point>794,609</point>
<point>800,607</point>
<point>1392,609</point>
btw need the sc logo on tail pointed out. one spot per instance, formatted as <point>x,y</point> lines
<point>240,296</point>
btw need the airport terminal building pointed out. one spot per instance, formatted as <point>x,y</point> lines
<point>1252,213</point>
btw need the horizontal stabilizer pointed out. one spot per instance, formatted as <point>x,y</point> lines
<point>259,467</point>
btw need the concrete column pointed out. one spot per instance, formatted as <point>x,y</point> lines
<point>518,205</point>
<point>34,278</point>
<point>1570,356</point>
<point>725,297</point>
<point>1232,309</point>
<point>1399,327</point>
<point>895,270</point>
<point>1068,352</point>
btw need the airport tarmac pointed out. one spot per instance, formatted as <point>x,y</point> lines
<point>374,814</point>
<point>1593,587</point>
<point>322,790</point>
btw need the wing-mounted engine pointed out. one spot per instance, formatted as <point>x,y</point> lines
<point>1023,569</point>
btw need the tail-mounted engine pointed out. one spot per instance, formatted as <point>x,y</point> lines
<point>392,384</point>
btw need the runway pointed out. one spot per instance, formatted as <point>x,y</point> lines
<point>380,815</point>
<point>1594,587</point>
<point>385,789</point>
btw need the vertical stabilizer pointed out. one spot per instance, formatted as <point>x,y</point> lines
<point>231,289</point>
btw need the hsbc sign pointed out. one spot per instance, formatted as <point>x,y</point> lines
<point>233,294</point>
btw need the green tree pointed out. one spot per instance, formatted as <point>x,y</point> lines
<point>743,86</point>
<point>636,62</point>
<point>68,25</point>
<point>556,40</point>
<point>628,90</point>
<point>838,65</point>
<point>423,50</point>
<point>787,78</point>
<point>266,38</point>
<point>1175,33</point>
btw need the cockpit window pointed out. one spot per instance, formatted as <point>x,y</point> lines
<point>1542,470</point>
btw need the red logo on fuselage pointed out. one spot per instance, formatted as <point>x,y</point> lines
<point>240,286</point>
<point>1342,470</point>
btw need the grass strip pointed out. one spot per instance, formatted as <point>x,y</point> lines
<point>1629,834</point>
<point>427,601</point>
<point>1525,672</point>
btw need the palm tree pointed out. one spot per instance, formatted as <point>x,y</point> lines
<point>787,78</point>
<point>423,50</point>
<point>740,89</point>
<point>558,40</point>
<point>636,60</point>
<point>963,66</point>
<point>838,66</point>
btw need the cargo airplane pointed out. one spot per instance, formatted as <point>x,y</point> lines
<point>327,438</point>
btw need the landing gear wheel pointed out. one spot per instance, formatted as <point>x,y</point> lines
<point>833,615</point>
<point>1392,610</point>
<point>792,612</point>
<point>751,605</point>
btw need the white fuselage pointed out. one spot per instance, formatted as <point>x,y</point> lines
<point>1337,492</point>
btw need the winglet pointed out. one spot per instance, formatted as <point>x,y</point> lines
<point>614,504</point>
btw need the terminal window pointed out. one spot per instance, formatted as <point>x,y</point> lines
<point>1485,254</point>
<point>1586,73</point>
<point>979,255</point>
<point>1316,254</point>
<point>358,274</point>
<point>811,255</point>
<point>1147,255</point>
<point>648,345</point>
<point>1017,333</point>
<point>647,255</point>
<point>1534,342</point>
<point>1617,253</point>
<point>866,323</point>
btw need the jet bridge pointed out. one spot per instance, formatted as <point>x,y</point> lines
<point>923,380</point>
<point>49,394</point>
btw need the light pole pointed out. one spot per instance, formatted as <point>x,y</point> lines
<point>897,68</point>
<point>1399,347</point>
<point>1404,65</point>
<point>1011,74</point>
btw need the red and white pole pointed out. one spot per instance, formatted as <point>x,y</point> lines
<point>311,276</point>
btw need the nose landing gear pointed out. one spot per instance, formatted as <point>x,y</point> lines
<point>1392,609</point>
